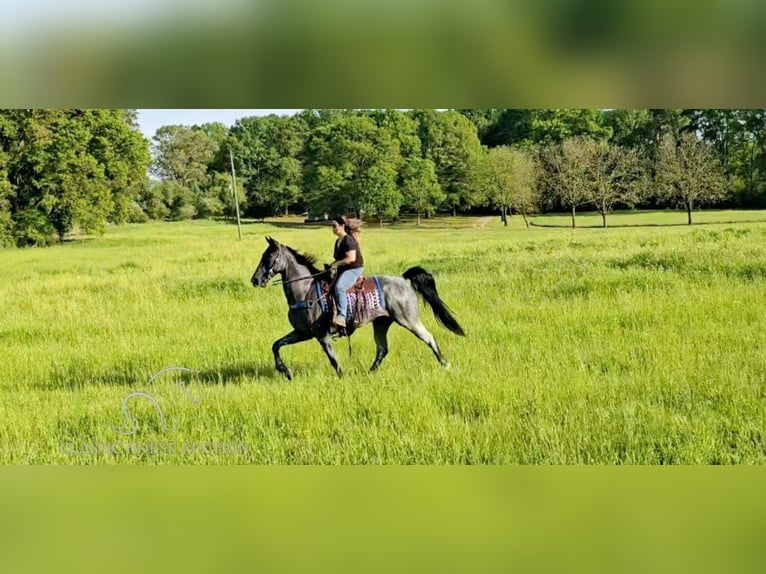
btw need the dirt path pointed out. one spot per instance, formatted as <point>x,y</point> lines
<point>481,223</point>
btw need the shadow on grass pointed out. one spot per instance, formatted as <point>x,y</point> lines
<point>235,373</point>
<point>277,223</point>
<point>77,376</point>
<point>460,222</point>
<point>629,225</point>
<point>74,240</point>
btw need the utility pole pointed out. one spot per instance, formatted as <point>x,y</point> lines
<point>234,189</point>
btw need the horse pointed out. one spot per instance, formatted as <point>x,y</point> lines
<point>302,283</point>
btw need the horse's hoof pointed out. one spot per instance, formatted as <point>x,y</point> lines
<point>446,365</point>
<point>289,375</point>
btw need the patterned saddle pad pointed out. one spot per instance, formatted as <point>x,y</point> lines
<point>366,301</point>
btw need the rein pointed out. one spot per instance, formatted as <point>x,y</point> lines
<point>295,280</point>
<point>308,303</point>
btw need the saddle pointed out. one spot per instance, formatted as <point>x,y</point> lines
<point>365,302</point>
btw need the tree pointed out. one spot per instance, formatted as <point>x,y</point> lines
<point>6,220</point>
<point>75,180</point>
<point>630,128</point>
<point>183,160</point>
<point>613,175</point>
<point>554,126</point>
<point>352,166</point>
<point>67,169</point>
<point>512,127</point>
<point>673,122</point>
<point>269,154</point>
<point>182,155</point>
<point>564,173</point>
<point>752,154</point>
<point>117,143</point>
<point>421,186</point>
<point>722,129</point>
<point>485,120</point>
<point>449,139</point>
<point>512,181</point>
<point>689,173</point>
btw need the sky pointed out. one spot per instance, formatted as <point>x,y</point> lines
<point>20,18</point>
<point>151,120</point>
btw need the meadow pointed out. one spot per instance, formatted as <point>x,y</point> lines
<point>639,344</point>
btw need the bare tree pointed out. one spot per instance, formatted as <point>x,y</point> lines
<point>690,173</point>
<point>564,169</point>
<point>586,171</point>
<point>613,176</point>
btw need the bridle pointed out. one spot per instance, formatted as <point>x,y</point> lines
<point>271,272</point>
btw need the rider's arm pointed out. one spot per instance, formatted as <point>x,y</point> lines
<point>347,260</point>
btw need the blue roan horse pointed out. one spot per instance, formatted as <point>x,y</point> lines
<point>302,283</point>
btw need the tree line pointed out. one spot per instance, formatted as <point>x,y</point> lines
<point>381,163</point>
<point>64,170</point>
<point>67,169</point>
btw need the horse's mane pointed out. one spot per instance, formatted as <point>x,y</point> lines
<point>307,260</point>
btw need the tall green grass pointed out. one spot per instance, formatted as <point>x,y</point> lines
<point>626,345</point>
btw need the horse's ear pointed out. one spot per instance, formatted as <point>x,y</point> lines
<point>270,241</point>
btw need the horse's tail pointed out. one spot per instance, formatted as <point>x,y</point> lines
<point>424,285</point>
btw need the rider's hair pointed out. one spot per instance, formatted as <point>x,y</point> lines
<point>350,225</point>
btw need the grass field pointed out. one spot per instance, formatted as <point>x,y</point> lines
<point>642,343</point>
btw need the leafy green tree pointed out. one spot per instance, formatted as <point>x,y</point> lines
<point>512,181</point>
<point>118,145</point>
<point>421,187</point>
<point>668,122</point>
<point>630,128</point>
<point>269,152</point>
<point>689,173</point>
<point>450,140</point>
<point>513,127</point>
<point>752,155</point>
<point>379,194</point>
<point>182,155</point>
<point>180,201</point>
<point>6,221</point>
<point>184,158</point>
<point>485,120</point>
<point>74,180</point>
<point>352,167</point>
<point>67,169</point>
<point>151,200</point>
<point>554,126</point>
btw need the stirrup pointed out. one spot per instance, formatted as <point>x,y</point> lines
<point>337,330</point>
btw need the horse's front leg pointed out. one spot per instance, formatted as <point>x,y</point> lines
<point>326,342</point>
<point>289,339</point>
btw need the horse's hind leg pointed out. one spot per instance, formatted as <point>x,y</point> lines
<point>419,330</point>
<point>289,339</point>
<point>380,326</point>
<point>329,350</point>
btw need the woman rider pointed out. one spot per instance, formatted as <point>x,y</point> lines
<point>348,262</point>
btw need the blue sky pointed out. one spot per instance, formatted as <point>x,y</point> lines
<point>151,120</point>
<point>21,18</point>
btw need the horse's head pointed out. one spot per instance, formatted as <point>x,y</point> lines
<point>272,262</point>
